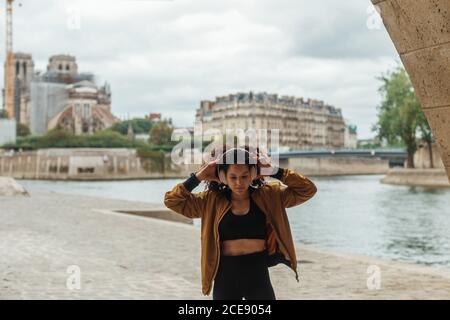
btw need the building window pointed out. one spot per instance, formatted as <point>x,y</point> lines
<point>87,110</point>
<point>67,68</point>
<point>85,170</point>
<point>60,67</point>
<point>77,109</point>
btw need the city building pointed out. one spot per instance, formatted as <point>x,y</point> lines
<point>303,124</point>
<point>24,72</point>
<point>61,97</point>
<point>351,137</point>
<point>371,143</point>
<point>155,117</point>
<point>7,131</point>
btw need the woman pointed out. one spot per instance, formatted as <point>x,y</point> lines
<point>245,228</point>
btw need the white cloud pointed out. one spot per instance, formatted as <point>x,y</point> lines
<point>166,56</point>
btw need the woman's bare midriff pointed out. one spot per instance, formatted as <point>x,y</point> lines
<point>242,246</point>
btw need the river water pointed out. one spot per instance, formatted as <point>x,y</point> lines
<point>355,214</point>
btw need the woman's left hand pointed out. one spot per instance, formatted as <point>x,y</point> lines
<point>264,163</point>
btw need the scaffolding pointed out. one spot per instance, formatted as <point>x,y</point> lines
<point>47,100</point>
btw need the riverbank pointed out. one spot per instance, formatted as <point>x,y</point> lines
<point>431,178</point>
<point>109,164</point>
<point>123,256</point>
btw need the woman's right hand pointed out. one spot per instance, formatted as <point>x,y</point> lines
<point>208,171</point>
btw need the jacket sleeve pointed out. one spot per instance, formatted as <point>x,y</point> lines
<point>181,200</point>
<point>298,188</point>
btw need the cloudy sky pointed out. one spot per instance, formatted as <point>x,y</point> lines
<point>167,55</point>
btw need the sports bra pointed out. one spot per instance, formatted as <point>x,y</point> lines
<point>251,225</point>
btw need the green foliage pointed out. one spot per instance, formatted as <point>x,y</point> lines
<point>424,128</point>
<point>399,112</point>
<point>3,114</point>
<point>352,128</point>
<point>160,134</point>
<point>152,156</point>
<point>59,138</point>
<point>22,130</point>
<point>139,126</point>
<point>426,135</point>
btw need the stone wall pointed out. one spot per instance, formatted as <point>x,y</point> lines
<point>338,165</point>
<point>432,178</point>
<point>86,164</point>
<point>116,164</point>
<point>422,157</point>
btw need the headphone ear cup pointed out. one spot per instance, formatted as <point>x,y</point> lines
<point>222,177</point>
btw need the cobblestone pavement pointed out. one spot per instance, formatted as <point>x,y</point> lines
<point>122,256</point>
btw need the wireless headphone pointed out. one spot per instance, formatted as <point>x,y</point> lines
<point>221,173</point>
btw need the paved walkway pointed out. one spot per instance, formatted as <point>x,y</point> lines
<point>121,256</point>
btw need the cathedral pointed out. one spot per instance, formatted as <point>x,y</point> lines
<point>60,97</point>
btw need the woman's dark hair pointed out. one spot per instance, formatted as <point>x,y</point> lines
<point>223,166</point>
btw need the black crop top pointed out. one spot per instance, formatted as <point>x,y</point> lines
<point>248,226</point>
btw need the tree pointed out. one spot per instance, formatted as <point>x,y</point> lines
<point>22,130</point>
<point>160,134</point>
<point>399,112</point>
<point>427,135</point>
<point>138,125</point>
<point>3,114</point>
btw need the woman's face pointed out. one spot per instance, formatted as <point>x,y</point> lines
<point>238,178</point>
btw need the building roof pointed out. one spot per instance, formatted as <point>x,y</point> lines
<point>84,84</point>
<point>65,57</point>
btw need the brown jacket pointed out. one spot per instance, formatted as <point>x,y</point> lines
<point>272,198</point>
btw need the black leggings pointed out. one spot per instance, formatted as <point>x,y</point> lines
<point>245,276</point>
